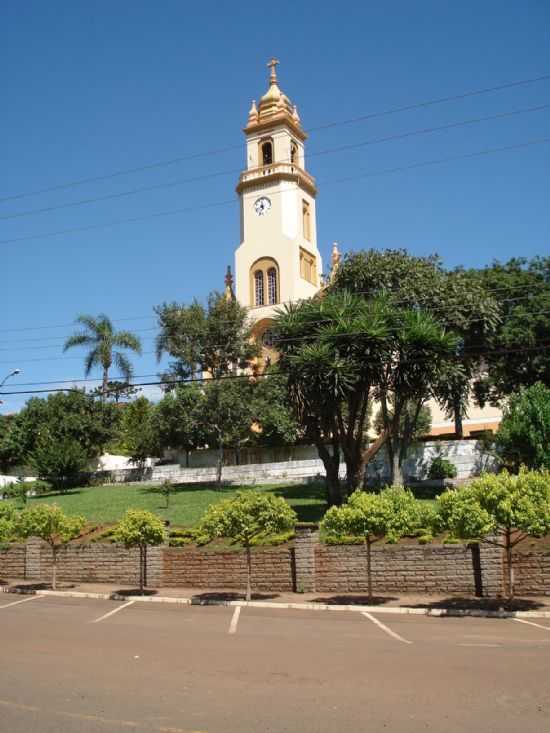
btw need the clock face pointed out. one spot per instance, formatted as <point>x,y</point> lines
<point>262,205</point>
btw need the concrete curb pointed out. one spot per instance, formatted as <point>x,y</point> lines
<point>396,610</point>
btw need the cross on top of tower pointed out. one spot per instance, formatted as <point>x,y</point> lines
<point>272,65</point>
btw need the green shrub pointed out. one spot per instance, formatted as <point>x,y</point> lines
<point>425,539</point>
<point>523,437</point>
<point>442,468</point>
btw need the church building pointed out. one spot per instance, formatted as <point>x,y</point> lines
<point>278,259</point>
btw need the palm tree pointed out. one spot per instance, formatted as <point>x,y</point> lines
<point>100,335</point>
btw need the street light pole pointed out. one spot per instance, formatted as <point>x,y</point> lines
<point>11,374</point>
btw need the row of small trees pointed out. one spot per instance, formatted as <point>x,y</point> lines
<point>501,510</point>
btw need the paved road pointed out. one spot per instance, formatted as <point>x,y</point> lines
<point>72,665</point>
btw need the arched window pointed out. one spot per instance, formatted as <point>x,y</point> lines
<point>267,153</point>
<point>293,152</point>
<point>272,286</point>
<point>259,287</point>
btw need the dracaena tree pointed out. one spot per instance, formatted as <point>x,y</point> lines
<point>331,352</point>
<point>104,344</point>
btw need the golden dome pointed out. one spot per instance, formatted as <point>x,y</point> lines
<point>274,106</point>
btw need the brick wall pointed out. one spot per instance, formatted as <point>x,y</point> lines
<point>12,562</point>
<point>272,570</point>
<point>428,569</point>
<point>532,574</point>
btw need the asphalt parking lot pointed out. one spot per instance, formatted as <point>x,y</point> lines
<point>91,665</point>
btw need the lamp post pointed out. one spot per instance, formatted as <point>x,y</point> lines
<point>11,374</point>
<point>3,382</point>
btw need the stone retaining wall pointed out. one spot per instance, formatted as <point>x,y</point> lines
<point>304,566</point>
<point>272,570</point>
<point>12,561</point>
<point>532,574</point>
<point>428,569</point>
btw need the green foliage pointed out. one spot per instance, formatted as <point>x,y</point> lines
<point>72,416</point>
<point>457,300</point>
<point>391,514</point>
<point>58,461</point>
<point>248,516</point>
<point>139,528</point>
<point>522,288</point>
<point>167,489</point>
<point>49,522</point>
<point>138,432</point>
<point>442,468</point>
<point>103,341</point>
<point>8,522</point>
<point>523,437</point>
<point>216,339</point>
<point>425,539</point>
<point>20,490</point>
<point>502,509</point>
<point>272,413</point>
<point>178,421</point>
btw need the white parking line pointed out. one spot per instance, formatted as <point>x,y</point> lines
<point>25,600</point>
<point>115,610</point>
<point>234,620</point>
<point>531,623</point>
<point>385,628</point>
<point>491,646</point>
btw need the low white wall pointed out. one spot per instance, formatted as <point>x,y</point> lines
<point>467,455</point>
<point>7,480</point>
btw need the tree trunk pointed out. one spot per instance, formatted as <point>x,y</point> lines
<point>248,574</point>
<point>54,568</point>
<point>457,412</point>
<point>331,462</point>
<point>105,384</point>
<point>368,547</point>
<point>141,569</point>
<point>219,465</point>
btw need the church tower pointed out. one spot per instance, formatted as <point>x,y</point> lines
<point>277,260</point>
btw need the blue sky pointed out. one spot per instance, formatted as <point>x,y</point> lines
<point>89,89</point>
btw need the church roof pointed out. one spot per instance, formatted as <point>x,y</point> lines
<point>274,107</point>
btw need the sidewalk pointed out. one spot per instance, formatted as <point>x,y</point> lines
<point>436,604</point>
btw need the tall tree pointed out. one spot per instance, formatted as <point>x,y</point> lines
<point>215,342</point>
<point>179,419</point>
<point>330,352</point>
<point>457,300</point>
<point>518,353</point>
<point>103,340</point>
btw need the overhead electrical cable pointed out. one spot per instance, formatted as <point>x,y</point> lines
<point>327,151</point>
<point>228,202</point>
<point>328,125</point>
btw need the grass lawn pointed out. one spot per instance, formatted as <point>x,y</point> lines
<point>188,502</point>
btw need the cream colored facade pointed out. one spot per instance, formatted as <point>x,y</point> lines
<point>278,260</point>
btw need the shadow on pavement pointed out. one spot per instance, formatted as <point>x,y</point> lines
<point>134,592</point>
<point>362,600</point>
<point>483,604</point>
<point>229,596</point>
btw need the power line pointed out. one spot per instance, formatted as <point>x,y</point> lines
<point>217,174</point>
<point>227,202</point>
<point>324,126</point>
<point>403,301</point>
<point>275,340</point>
<point>209,380</point>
